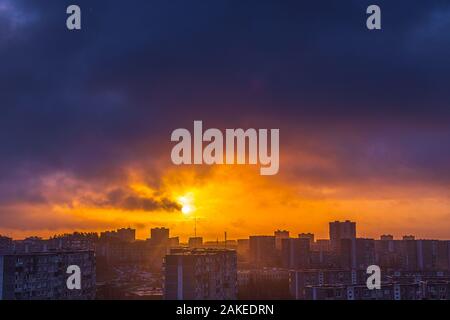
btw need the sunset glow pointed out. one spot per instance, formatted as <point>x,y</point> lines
<point>186,204</point>
<point>232,198</point>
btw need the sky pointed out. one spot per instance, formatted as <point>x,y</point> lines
<point>86,116</point>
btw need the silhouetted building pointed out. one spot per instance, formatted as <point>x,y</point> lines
<point>30,245</point>
<point>262,251</point>
<point>124,235</point>
<point>408,253</point>
<point>200,274</point>
<point>300,279</point>
<point>279,236</point>
<point>425,255</point>
<point>195,242</point>
<point>159,236</point>
<point>229,244</point>
<point>42,276</point>
<point>443,255</point>
<point>73,241</point>
<point>295,253</point>
<point>321,245</point>
<point>309,236</point>
<point>341,230</point>
<point>265,283</point>
<point>174,242</point>
<point>139,253</point>
<point>357,253</point>
<point>388,253</point>
<point>243,250</point>
<point>6,245</point>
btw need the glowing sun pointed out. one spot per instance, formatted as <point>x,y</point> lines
<point>186,204</point>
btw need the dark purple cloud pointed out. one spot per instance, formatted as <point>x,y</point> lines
<point>91,102</point>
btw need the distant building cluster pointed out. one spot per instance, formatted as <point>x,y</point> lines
<point>116,265</point>
<point>335,268</point>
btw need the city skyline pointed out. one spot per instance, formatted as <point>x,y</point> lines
<point>115,265</point>
<point>221,238</point>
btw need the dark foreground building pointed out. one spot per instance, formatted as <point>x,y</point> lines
<point>200,274</point>
<point>42,276</point>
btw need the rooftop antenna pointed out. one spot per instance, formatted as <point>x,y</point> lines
<point>195,224</point>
